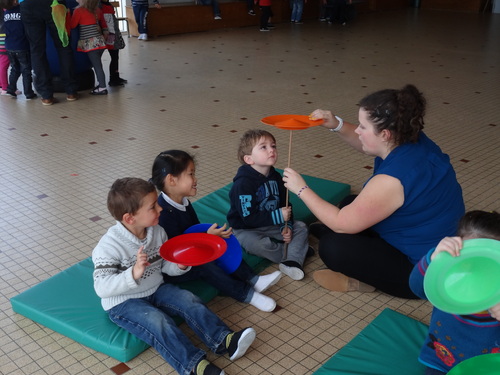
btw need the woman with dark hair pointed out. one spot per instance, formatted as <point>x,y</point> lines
<point>411,201</point>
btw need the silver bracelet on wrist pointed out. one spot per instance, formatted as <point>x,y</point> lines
<point>341,123</point>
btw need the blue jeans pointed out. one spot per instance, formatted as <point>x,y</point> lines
<point>141,15</point>
<point>37,19</point>
<point>215,6</point>
<point>297,8</point>
<point>150,319</point>
<point>238,285</point>
<point>20,64</point>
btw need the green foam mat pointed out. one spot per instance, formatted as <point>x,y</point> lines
<point>67,303</point>
<point>389,345</point>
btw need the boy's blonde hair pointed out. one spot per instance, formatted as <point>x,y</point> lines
<point>126,196</point>
<point>248,141</point>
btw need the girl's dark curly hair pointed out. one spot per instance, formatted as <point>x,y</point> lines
<point>399,111</point>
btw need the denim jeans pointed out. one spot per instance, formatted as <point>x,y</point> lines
<point>37,19</point>
<point>141,15</point>
<point>297,8</point>
<point>215,6</point>
<point>20,64</point>
<point>150,319</point>
<point>237,285</point>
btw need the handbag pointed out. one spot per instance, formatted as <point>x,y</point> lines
<point>110,40</point>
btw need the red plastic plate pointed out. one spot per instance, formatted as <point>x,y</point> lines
<point>193,249</point>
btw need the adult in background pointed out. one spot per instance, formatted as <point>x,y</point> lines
<point>406,207</point>
<point>37,19</point>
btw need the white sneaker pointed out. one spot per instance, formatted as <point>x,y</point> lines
<point>292,271</point>
<point>262,302</point>
<point>140,37</point>
<point>266,281</point>
<point>217,18</point>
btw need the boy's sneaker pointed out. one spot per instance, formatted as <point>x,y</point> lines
<point>292,269</point>
<point>13,95</point>
<point>266,281</point>
<point>217,17</point>
<point>237,343</point>
<point>262,302</point>
<point>31,96</point>
<point>264,29</point>
<point>204,367</point>
<point>251,13</point>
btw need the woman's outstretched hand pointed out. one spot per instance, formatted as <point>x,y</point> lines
<point>293,181</point>
<point>329,120</point>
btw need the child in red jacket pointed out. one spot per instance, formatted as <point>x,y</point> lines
<point>114,43</point>
<point>265,14</point>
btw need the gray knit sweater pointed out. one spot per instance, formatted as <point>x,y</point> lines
<point>114,257</point>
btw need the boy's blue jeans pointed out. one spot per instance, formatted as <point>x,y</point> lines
<point>150,319</point>
<point>237,285</point>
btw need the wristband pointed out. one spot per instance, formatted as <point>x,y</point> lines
<point>301,190</point>
<point>341,123</point>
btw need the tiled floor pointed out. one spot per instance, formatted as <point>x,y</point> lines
<point>199,92</point>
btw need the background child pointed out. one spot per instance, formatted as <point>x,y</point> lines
<point>141,9</point>
<point>93,30</point>
<point>4,58</point>
<point>265,14</point>
<point>114,43</point>
<point>258,210</point>
<point>173,175</point>
<point>455,338</point>
<point>128,279</point>
<point>297,9</point>
<point>18,49</point>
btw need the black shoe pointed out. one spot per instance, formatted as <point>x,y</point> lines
<point>117,82</point>
<point>310,252</point>
<point>31,96</point>
<point>204,367</point>
<point>318,230</point>
<point>97,91</point>
<point>114,83</point>
<point>239,342</point>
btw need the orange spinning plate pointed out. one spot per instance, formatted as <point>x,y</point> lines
<point>291,122</point>
<point>193,249</point>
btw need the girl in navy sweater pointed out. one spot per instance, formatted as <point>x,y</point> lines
<point>174,176</point>
<point>18,50</point>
